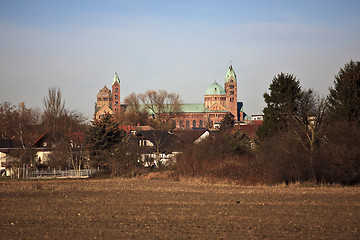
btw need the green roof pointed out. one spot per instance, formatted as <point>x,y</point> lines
<point>215,89</point>
<point>230,73</point>
<point>116,79</point>
<point>193,107</point>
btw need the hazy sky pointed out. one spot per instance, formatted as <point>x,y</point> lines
<point>181,46</point>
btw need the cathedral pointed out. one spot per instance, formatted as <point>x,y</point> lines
<point>218,101</point>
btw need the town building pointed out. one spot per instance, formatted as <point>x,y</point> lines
<point>218,101</point>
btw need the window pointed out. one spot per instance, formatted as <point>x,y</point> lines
<point>231,92</point>
<point>194,123</point>
<point>116,90</point>
<point>116,103</point>
<point>187,123</point>
<point>201,123</point>
<point>116,96</point>
<point>180,123</point>
<point>231,86</point>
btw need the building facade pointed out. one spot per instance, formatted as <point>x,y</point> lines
<point>218,101</point>
<point>108,101</point>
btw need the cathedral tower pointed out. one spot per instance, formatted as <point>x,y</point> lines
<point>231,92</point>
<point>116,94</point>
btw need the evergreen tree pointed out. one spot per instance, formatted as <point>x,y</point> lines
<point>282,102</point>
<point>227,123</point>
<point>344,97</point>
<point>103,139</point>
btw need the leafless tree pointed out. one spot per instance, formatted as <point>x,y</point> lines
<point>161,104</point>
<point>309,121</point>
<point>54,107</point>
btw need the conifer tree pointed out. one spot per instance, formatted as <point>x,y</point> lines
<point>103,138</point>
<point>282,103</point>
<point>227,123</point>
<point>344,97</point>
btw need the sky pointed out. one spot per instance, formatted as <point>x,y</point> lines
<point>180,46</point>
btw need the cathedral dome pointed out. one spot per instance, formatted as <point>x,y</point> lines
<point>215,89</point>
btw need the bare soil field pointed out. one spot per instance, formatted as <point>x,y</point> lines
<point>161,209</point>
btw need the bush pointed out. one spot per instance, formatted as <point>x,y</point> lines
<point>340,156</point>
<point>219,158</point>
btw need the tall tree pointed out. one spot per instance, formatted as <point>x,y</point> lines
<point>344,97</point>
<point>69,150</point>
<point>8,116</point>
<point>161,104</point>
<point>54,107</point>
<point>309,125</point>
<point>281,104</point>
<point>136,114</point>
<point>105,140</point>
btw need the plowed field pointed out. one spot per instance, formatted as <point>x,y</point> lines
<point>160,209</point>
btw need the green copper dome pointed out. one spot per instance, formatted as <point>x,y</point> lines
<point>215,89</point>
<point>116,79</point>
<point>230,73</point>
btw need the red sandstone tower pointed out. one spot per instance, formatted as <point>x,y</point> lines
<point>231,92</point>
<point>116,94</point>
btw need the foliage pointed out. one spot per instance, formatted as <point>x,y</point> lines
<point>282,103</point>
<point>344,97</point>
<point>226,155</point>
<point>19,123</point>
<point>109,146</point>
<point>227,123</point>
<point>238,142</point>
<point>340,154</point>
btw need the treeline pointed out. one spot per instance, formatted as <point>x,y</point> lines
<point>24,126</point>
<point>304,137</point>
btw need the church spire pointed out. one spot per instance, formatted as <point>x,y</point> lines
<point>230,74</point>
<point>116,79</point>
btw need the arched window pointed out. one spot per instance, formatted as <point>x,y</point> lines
<point>187,123</point>
<point>194,123</point>
<point>201,123</point>
<point>180,123</point>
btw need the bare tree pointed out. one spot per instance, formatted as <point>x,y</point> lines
<point>162,104</point>
<point>133,103</point>
<point>54,107</point>
<point>309,121</point>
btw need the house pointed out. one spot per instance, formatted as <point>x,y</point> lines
<point>157,146</point>
<point>43,146</point>
<point>7,156</point>
<point>192,136</point>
